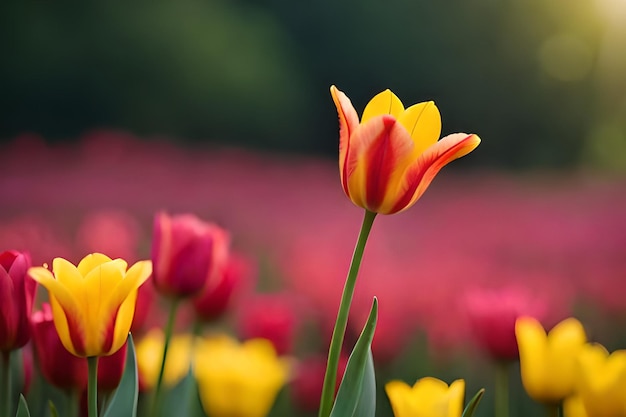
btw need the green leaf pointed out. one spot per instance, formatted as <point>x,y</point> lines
<point>53,409</point>
<point>124,401</point>
<point>22,408</point>
<point>471,406</point>
<point>357,392</point>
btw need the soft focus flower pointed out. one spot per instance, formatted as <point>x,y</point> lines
<point>150,356</point>
<point>218,294</point>
<point>146,296</point>
<point>58,366</point>
<point>602,381</point>
<point>429,397</point>
<point>93,303</point>
<point>17,292</point>
<point>238,380</point>
<point>64,370</point>
<point>186,252</point>
<point>308,380</point>
<point>389,157</point>
<point>272,317</point>
<point>548,362</point>
<point>492,315</point>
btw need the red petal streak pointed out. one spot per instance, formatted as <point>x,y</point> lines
<point>77,334</point>
<point>348,122</point>
<point>382,144</point>
<point>418,176</point>
<point>109,332</point>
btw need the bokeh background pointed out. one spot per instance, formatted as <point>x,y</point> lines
<point>112,111</point>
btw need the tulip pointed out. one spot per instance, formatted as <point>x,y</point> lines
<point>150,356</point>
<point>602,381</point>
<point>389,158</point>
<point>429,397</point>
<point>235,379</point>
<point>271,317</point>
<point>548,361</point>
<point>217,296</point>
<point>186,252</point>
<point>93,303</point>
<point>492,315</point>
<point>17,292</point>
<point>57,365</point>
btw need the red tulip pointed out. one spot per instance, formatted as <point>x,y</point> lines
<point>492,315</point>
<point>17,291</point>
<point>186,252</point>
<point>272,317</point>
<point>217,297</point>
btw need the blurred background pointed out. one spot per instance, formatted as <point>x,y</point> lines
<point>113,111</point>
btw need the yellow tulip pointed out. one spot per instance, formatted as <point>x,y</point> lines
<point>548,361</point>
<point>573,407</point>
<point>93,303</point>
<point>389,157</point>
<point>429,397</point>
<point>602,382</point>
<point>150,356</point>
<point>238,380</point>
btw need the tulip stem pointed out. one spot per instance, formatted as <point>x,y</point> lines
<point>502,389</point>
<point>336,341</point>
<point>169,328</point>
<point>73,402</point>
<point>554,410</point>
<point>5,384</point>
<point>92,386</point>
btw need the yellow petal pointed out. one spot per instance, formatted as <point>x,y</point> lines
<point>398,393</point>
<point>456,394</point>
<point>91,261</point>
<point>385,102</point>
<point>423,122</point>
<point>66,273</point>
<point>123,322</point>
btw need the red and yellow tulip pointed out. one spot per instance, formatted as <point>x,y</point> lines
<point>389,157</point>
<point>93,303</point>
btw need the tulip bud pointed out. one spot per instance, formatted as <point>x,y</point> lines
<point>217,297</point>
<point>17,291</point>
<point>186,252</point>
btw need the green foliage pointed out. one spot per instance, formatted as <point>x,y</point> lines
<point>538,81</point>
<point>357,392</point>
<point>22,408</point>
<point>124,401</point>
<point>470,409</point>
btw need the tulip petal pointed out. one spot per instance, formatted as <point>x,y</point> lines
<point>398,393</point>
<point>379,154</point>
<point>420,174</point>
<point>384,102</point>
<point>423,122</point>
<point>8,310</point>
<point>68,318</point>
<point>348,122</point>
<point>66,273</point>
<point>121,322</point>
<point>456,395</point>
<point>90,262</point>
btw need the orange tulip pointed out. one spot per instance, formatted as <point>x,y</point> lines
<point>389,158</point>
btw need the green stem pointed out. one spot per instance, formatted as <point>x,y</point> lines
<point>502,389</point>
<point>336,341</point>
<point>169,328</point>
<point>5,385</point>
<point>92,386</point>
<point>73,402</point>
